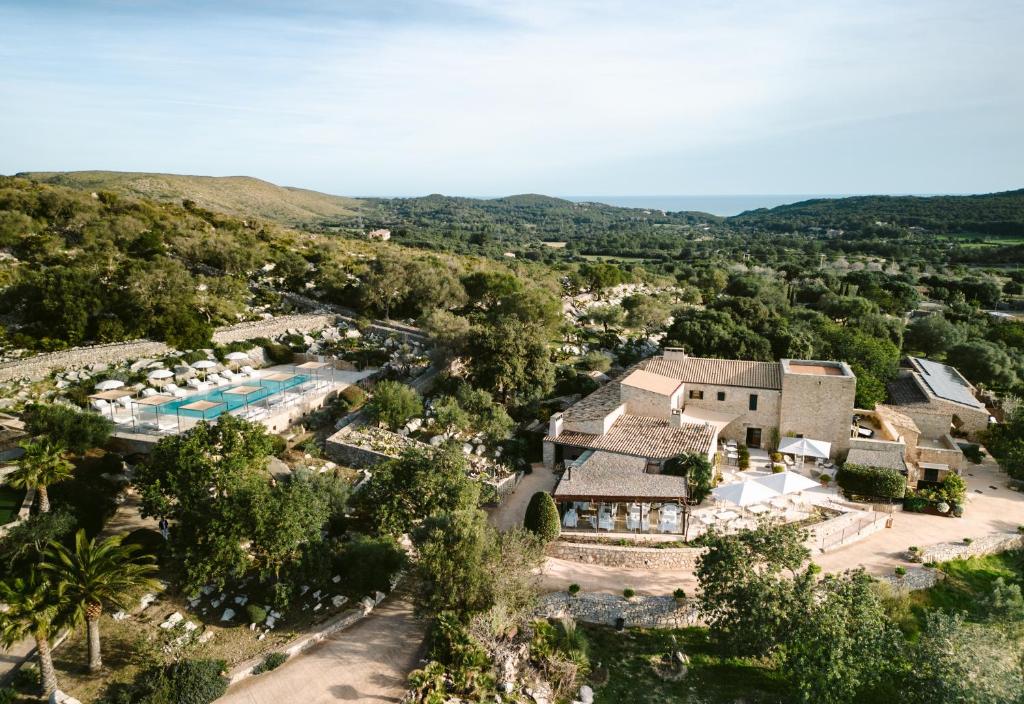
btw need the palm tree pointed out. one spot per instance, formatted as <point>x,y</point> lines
<point>32,608</point>
<point>42,464</point>
<point>95,573</point>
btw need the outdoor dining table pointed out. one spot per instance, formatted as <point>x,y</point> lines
<point>726,515</point>
<point>757,509</point>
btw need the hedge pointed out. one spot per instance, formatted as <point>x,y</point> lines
<point>542,516</point>
<point>871,482</point>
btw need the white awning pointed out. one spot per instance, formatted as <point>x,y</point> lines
<point>787,482</point>
<point>744,493</point>
<point>701,416</point>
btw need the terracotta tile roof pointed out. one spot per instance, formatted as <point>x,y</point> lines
<point>646,437</point>
<point>649,381</point>
<point>720,372</point>
<point>605,475</point>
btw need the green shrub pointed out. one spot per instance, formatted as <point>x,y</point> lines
<point>778,468</point>
<point>954,488</point>
<point>271,662</point>
<point>8,695</point>
<point>353,396</point>
<point>871,482</point>
<point>277,445</point>
<point>915,504</point>
<point>744,456</point>
<point>628,593</point>
<point>27,678</point>
<point>278,353</point>
<point>394,403</point>
<point>369,564</point>
<point>542,516</point>
<point>968,541</point>
<point>698,471</point>
<point>900,571</point>
<point>76,430</point>
<point>679,593</point>
<point>574,589</point>
<point>255,614</point>
<point>184,682</point>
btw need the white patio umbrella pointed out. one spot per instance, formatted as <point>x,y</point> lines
<point>805,447</point>
<point>204,365</point>
<point>787,482</point>
<point>237,357</point>
<point>109,384</point>
<point>744,493</point>
<point>160,375</point>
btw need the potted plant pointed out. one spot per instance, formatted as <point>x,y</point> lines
<point>680,596</point>
<point>574,589</point>
<point>628,593</point>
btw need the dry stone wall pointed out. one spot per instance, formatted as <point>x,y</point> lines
<point>607,609</point>
<point>985,545</point>
<point>42,365</point>
<point>625,556</point>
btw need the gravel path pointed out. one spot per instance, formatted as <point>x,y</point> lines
<point>366,663</point>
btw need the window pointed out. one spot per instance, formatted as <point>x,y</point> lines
<point>721,395</point>
<point>698,395</point>
<point>753,402</point>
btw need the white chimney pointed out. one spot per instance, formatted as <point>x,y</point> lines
<point>555,425</point>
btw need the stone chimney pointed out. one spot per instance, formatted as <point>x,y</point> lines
<point>676,419</point>
<point>674,353</point>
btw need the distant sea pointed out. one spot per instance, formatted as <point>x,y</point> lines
<point>716,205</point>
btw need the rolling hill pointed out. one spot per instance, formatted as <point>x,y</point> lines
<point>241,196</point>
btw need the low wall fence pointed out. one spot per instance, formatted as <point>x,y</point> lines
<point>607,609</point>
<point>626,556</point>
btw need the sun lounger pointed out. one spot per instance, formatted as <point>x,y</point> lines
<point>217,379</point>
<point>175,390</point>
<point>231,376</point>
<point>249,371</point>
<point>149,391</point>
<point>198,385</point>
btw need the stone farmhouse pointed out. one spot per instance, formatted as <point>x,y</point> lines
<point>615,441</point>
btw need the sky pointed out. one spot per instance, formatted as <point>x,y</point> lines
<point>486,98</point>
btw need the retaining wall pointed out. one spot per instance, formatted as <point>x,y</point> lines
<point>985,545</point>
<point>626,556</point>
<point>606,609</point>
<point>41,365</point>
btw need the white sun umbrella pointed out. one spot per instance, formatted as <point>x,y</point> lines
<point>109,385</point>
<point>787,482</point>
<point>744,493</point>
<point>237,357</point>
<point>805,447</point>
<point>160,375</point>
<point>204,365</point>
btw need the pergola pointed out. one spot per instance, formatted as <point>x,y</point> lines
<point>244,392</point>
<point>111,395</point>
<point>200,407</point>
<point>313,367</point>
<point>153,402</point>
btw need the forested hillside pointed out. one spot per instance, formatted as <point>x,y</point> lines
<point>993,213</point>
<point>241,196</point>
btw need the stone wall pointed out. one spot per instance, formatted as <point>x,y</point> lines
<point>40,366</point>
<point>985,545</point>
<point>625,556</point>
<point>346,453</point>
<point>606,609</point>
<point>272,327</point>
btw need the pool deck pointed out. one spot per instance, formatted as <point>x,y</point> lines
<point>277,416</point>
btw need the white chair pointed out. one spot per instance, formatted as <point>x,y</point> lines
<point>634,521</point>
<point>669,522</point>
<point>100,405</point>
<point>175,390</point>
<point>571,519</point>
<point>149,391</point>
<point>605,521</point>
<point>231,376</point>
<point>249,371</point>
<point>217,379</point>
<point>198,385</point>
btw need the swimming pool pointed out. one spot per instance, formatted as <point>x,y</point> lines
<point>228,401</point>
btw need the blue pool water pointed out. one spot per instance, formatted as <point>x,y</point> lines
<point>231,401</point>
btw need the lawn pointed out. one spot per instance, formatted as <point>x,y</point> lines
<point>969,581</point>
<point>628,667</point>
